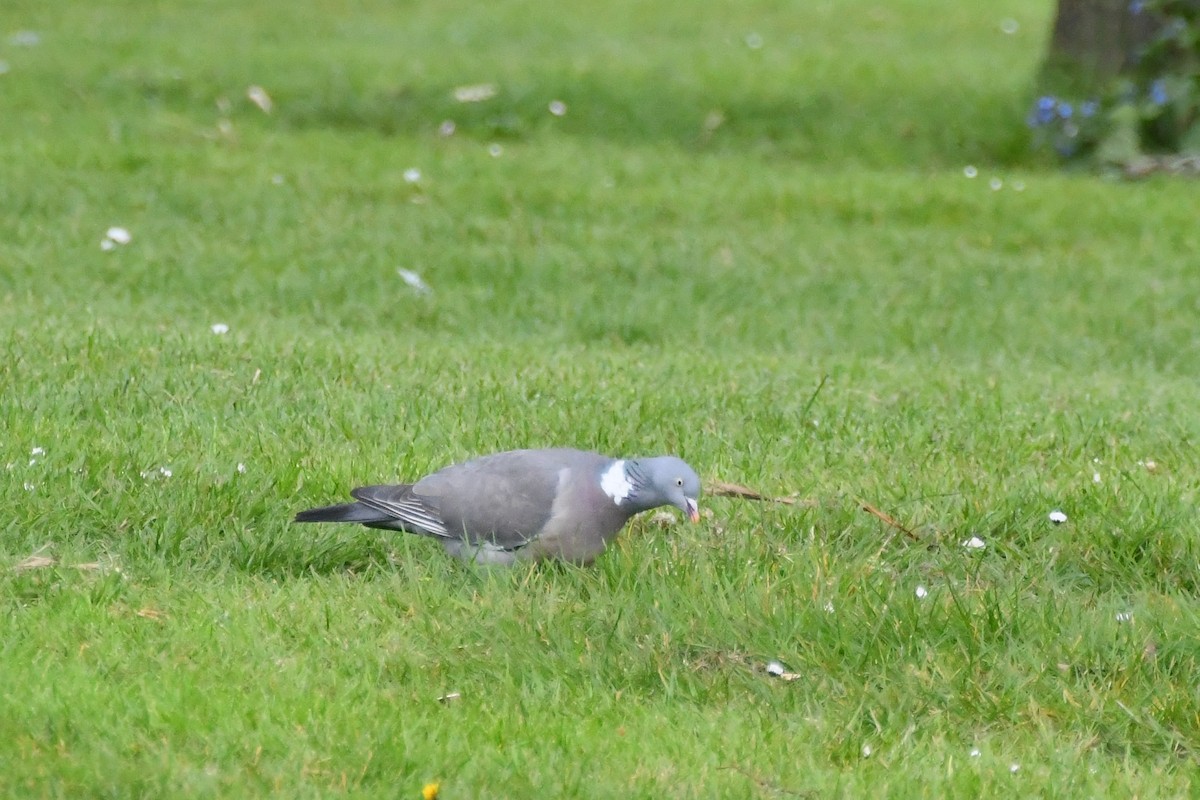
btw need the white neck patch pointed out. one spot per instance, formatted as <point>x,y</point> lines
<point>615,483</point>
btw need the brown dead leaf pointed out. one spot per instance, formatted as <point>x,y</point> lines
<point>34,562</point>
<point>151,613</point>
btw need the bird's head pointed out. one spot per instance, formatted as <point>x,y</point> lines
<point>661,481</point>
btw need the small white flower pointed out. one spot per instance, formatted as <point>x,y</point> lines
<point>447,128</point>
<point>1015,768</point>
<point>38,451</point>
<point>974,543</point>
<point>28,486</point>
<point>414,280</point>
<point>1009,26</point>
<point>1018,186</point>
<point>412,175</point>
<point>164,471</point>
<point>1124,616</point>
<point>119,235</point>
<point>975,752</point>
<point>241,468</point>
<point>922,592</point>
<point>995,184</point>
<point>829,607</point>
<point>754,41</point>
<point>277,179</point>
<point>1095,477</point>
<point>1057,517</point>
<point>258,95</point>
<point>970,171</point>
<point>866,751</point>
<point>475,93</point>
<point>775,668</point>
<point>107,244</point>
<point>220,328</point>
<point>495,150</point>
<point>558,108</point>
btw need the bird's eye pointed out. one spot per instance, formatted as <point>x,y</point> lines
<point>679,481</point>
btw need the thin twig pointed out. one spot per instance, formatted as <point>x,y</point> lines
<point>723,489</point>
<point>887,519</point>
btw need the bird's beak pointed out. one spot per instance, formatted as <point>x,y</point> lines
<point>691,509</point>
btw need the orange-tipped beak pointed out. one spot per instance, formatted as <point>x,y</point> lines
<point>693,510</point>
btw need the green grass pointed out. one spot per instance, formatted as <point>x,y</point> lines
<point>768,261</point>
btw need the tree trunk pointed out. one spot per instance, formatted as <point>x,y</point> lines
<point>1094,41</point>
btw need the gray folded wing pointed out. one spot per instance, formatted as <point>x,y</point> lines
<point>504,500</point>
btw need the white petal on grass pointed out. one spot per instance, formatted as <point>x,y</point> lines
<point>866,751</point>
<point>25,39</point>
<point>412,175</point>
<point>775,668</point>
<point>558,108</point>
<point>495,150</point>
<point>1057,517</point>
<point>974,543</point>
<point>970,171</point>
<point>975,752</point>
<point>1015,768</point>
<point>475,93</point>
<point>922,592</point>
<point>258,95</point>
<point>220,328</point>
<point>118,235</point>
<point>414,280</point>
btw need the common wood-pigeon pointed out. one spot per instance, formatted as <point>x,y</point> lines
<point>524,505</point>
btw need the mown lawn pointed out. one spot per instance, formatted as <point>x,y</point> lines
<point>748,238</point>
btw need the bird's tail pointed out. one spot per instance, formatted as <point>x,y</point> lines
<point>346,512</point>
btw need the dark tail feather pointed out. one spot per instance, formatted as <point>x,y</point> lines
<point>346,512</point>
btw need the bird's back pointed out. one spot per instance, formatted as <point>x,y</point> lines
<point>505,498</point>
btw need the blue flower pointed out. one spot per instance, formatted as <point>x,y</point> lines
<point>1065,110</point>
<point>1137,6</point>
<point>1158,93</point>
<point>1089,108</point>
<point>1043,112</point>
